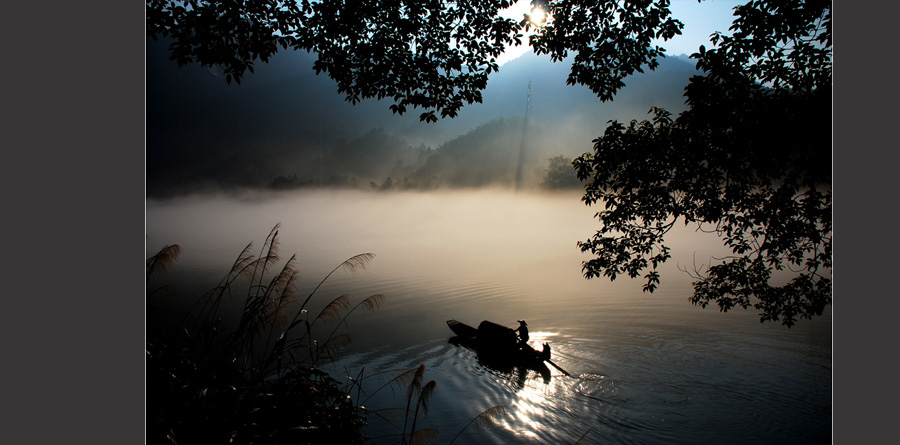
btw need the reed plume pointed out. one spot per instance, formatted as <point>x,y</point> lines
<point>488,418</point>
<point>358,262</point>
<point>372,303</point>
<point>270,246</point>
<point>398,381</point>
<point>333,309</point>
<point>282,284</point>
<point>350,264</point>
<point>281,292</point>
<point>241,264</point>
<point>163,260</point>
<point>415,384</point>
<point>426,435</point>
<point>412,390</point>
<point>424,398</point>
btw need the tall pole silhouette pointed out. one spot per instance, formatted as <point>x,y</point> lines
<point>524,138</point>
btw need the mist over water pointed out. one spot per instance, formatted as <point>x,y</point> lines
<point>647,368</point>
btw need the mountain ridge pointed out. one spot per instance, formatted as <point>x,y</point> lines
<point>201,130</point>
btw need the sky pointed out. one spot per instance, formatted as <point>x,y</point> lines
<point>700,19</point>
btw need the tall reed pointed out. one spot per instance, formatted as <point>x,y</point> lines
<point>252,377</point>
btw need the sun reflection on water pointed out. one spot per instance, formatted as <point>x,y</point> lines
<point>528,409</point>
<point>536,400</point>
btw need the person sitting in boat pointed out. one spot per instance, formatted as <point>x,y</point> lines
<point>523,333</point>
<point>545,354</point>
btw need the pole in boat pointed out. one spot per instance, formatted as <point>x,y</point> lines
<point>557,367</point>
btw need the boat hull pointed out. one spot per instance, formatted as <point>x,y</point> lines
<point>497,346</point>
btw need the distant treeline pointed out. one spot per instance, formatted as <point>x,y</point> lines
<point>487,156</point>
<point>285,128</point>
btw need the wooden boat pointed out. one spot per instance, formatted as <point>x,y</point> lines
<point>498,346</point>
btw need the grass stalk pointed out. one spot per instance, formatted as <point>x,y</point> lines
<point>424,398</point>
<point>581,439</point>
<point>413,390</point>
<point>487,418</point>
<point>163,259</point>
<point>208,378</point>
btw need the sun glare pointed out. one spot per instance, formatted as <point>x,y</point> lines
<point>537,17</point>
<point>536,14</point>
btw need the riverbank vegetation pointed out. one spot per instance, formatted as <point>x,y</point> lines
<point>243,363</point>
<point>213,377</point>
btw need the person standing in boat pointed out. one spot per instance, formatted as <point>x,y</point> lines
<point>523,333</point>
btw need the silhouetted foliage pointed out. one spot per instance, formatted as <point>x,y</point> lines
<point>560,174</point>
<point>286,183</point>
<point>610,39</point>
<point>433,55</point>
<point>749,161</point>
<point>212,378</point>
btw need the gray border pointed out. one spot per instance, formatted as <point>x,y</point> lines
<point>73,193</point>
<point>73,189</point>
<point>865,184</point>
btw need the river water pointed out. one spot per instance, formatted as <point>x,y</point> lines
<point>645,368</point>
